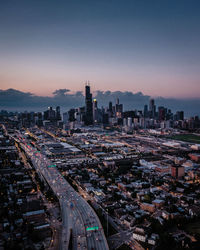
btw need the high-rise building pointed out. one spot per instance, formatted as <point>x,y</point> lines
<point>161,113</point>
<point>110,107</point>
<point>146,111</point>
<point>118,109</point>
<point>105,119</point>
<point>88,106</point>
<point>71,114</point>
<point>81,111</point>
<point>50,114</point>
<point>95,111</point>
<point>129,122</point>
<point>58,116</point>
<point>180,115</point>
<point>65,117</point>
<point>152,108</point>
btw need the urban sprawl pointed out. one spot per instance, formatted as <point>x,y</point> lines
<point>99,178</point>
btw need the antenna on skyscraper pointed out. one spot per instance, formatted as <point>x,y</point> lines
<point>87,83</point>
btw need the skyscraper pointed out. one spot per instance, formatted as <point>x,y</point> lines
<point>110,109</point>
<point>152,108</point>
<point>145,111</point>
<point>58,115</point>
<point>95,111</point>
<point>88,106</point>
<point>119,109</point>
<point>161,113</point>
<point>110,106</point>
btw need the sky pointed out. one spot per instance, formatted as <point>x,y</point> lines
<point>118,45</point>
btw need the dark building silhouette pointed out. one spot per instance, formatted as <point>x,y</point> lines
<point>105,119</point>
<point>71,114</point>
<point>162,113</point>
<point>118,109</point>
<point>180,115</point>
<point>58,115</point>
<point>110,107</point>
<point>50,114</point>
<point>152,108</point>
<point>95,111</point>
<point>88,106</point>
<point>146,112</point>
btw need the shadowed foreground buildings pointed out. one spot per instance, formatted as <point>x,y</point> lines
<point>144,185</point>
<point>25,222</point>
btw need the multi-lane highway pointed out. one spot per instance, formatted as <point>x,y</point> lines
<point>77,215</point>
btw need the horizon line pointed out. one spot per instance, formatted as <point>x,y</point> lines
<point>71,92</point>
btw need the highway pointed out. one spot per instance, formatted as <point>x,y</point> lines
<point>76,213</point>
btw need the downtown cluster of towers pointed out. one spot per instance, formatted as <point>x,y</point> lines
<point>90,114</point>
<point>94,115</point>
<point>111,116</point>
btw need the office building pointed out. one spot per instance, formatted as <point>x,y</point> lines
<point>95,111</point>
<point>118,109</point>
<point>58,116</point>
<point>146,113</point>
<point>88,106</point>
<point>152,108</point>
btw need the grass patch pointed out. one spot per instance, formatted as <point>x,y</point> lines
<point>187,137</point>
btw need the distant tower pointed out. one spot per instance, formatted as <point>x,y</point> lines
<point>95,111</point>
<point>118,109</point>
<point>145,111</point>
<point>152,108</point>
<point>58,116</point>
<point>110,109</point>
<point>110,106</point>
<point>88,105</point>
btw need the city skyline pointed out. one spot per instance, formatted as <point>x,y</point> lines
<point>133,46</point>
<point>99,124</point>
<point>15,100</point>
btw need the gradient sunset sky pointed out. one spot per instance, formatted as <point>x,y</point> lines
<point>128,45</point>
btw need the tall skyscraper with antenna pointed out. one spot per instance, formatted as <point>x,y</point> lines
<point>88,105</point>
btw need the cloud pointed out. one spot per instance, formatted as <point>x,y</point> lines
<point>14,93</point>
<point>15,100</point>
<point>129,99</point>
<point>61,92</point>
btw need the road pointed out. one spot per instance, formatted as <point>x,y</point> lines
<point>120,238</point>
<point>116,240</point>
<point>54,211</point>
<point>76,213</point>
